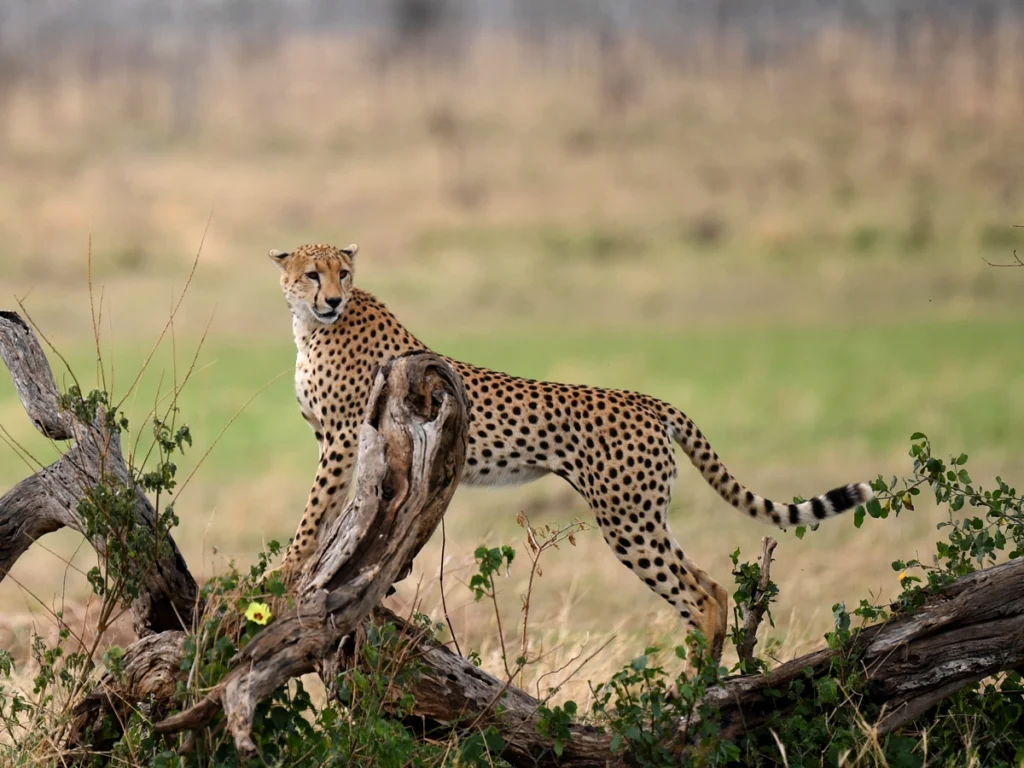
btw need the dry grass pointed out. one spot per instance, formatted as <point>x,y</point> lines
<point>728,190</point>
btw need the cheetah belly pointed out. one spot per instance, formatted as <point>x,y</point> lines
<point>501,476</point>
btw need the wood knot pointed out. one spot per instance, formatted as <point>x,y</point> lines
<point>387,487</point>
<point>15,318</point>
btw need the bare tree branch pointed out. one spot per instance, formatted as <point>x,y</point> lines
<point>49,500</point>
<point>1016,262</point>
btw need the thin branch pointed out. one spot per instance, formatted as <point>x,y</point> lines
<point>758,605</point>
<point>1017,262</point>
<point>444,602</point>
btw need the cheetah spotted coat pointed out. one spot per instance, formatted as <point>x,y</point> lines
<point>615,448</point>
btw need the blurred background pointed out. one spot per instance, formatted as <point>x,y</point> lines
<point>775,214</point>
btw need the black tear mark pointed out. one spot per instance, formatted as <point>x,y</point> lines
<point>14,317</point>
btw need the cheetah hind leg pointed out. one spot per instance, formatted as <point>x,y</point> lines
<point>716,626</point>
<point>647,547</point>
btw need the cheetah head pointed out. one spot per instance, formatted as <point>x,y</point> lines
<point>317,279</point>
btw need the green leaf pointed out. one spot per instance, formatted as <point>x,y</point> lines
<point>918,436</point>
<point>495,742</point>
<point>874,508</point>
<point>801,530</point>
<point>858,517</point>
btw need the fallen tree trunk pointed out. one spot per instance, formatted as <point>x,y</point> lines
<point>411,452</point>
<point>972,629</point>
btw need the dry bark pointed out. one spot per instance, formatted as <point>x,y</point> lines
<point>151,671</point>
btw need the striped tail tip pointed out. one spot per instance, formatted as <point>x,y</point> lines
<point>819,508</point>
<point>849,496</point>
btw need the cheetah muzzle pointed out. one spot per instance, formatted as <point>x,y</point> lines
<point>615,448</point>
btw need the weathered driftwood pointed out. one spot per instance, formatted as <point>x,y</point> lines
<point>412,448</point>
<point>151,672</point>
<point>49,499</point>
<point>411,452</point>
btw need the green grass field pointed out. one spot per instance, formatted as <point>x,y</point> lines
<point>765,395</point>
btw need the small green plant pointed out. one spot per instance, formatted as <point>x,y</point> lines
<point>554,723</point>
<point>492,560</point>
<point>655,724</point>
<point>68,668</point>
<point>749,597</point>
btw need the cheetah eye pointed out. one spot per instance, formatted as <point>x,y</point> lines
<point>314,276</point>
<point>344,274</point>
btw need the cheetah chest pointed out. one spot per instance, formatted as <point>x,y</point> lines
<point>303,392</point>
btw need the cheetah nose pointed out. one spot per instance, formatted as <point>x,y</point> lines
<point>333,303</point>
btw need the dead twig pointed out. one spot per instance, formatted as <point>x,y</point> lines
<point>758,605</point>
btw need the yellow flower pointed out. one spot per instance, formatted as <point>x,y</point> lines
<point>903,575</point>
<point>258,613</point>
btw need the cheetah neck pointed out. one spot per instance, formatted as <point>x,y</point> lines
<point>302,330</point>
<point>304,326</point>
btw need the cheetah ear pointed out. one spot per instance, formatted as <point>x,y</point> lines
<point>350,250</point>
<point>278,257</point>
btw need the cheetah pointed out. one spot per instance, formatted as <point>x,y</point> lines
<point>615,448</point>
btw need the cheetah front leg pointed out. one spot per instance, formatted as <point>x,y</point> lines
<point>326,498</point>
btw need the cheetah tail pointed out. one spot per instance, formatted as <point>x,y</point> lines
<point>704,458</point>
